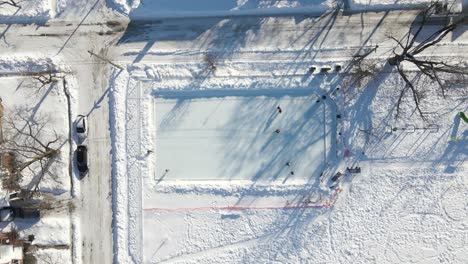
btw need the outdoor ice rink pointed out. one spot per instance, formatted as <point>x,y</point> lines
<point>229,143</point>
<point>208,180</point>
<point>240,138</point>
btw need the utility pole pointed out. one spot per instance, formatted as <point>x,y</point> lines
<point>104,59</point>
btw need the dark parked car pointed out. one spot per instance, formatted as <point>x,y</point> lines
<point>9,213</point>
<point>82,160</point>
<point>26,212</point>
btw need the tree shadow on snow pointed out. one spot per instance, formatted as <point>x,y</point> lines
<point>250,139</point>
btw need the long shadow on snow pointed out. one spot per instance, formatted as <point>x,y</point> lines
<point>456,151</point>
<point>280,147</point>
<point>291,143</point>
<point>208,34</point>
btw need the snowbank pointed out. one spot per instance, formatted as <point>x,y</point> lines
<point>26,62</point>
<point>123,6</point>
<point>27,11</point>
<point>385,5</point>
<point>117,100</point>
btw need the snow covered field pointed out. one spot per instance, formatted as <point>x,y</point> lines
<point>189,150</point>
<point>403,215</point>
<point>206,178</point>
<point>410,193</point>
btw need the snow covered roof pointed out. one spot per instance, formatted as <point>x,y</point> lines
<point>9,253</point>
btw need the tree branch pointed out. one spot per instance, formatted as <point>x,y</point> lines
<point>413,90</point>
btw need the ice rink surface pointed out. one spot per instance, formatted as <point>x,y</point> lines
<point>242,138</point>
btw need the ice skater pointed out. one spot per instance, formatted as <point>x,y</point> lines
<point>277,131</point>
<point>288,164</point>
<point>337,176</point>
<point>279,109</point>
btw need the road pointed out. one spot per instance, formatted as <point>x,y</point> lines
<point>96,195</point>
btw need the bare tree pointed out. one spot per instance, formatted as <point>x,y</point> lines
<point>409,51</point>
<point>11,3</point>
<point>34,147</point>
<point>47,77</point>
<point>360,69</point>
<point>363,72</point>
<point>361,55</point>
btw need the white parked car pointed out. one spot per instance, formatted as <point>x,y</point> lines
<point>81,127</point>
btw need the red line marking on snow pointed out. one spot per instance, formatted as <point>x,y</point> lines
<point>326,204</point>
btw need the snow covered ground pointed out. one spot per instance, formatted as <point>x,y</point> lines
<point>206,178</point>
<point>410,193</point>
<point>29,11</point>
<point>185,117</point>
<point>388,215</point>
<point>20,94</point>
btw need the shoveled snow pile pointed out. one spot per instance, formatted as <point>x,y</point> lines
<point>26,11</point>
<point>454,6</point>
<point>370,5</point>
<point>119,183</point>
